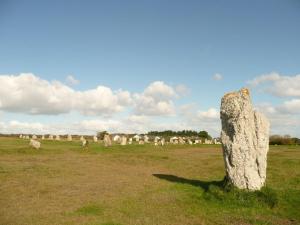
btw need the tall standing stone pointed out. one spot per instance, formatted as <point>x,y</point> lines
<point>123,140</point>
<point>107,140</point>
<point>245,141</point>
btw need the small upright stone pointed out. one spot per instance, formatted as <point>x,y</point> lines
<point>245,141</point>
<point>95,138</point>
<point>123,140</point>
<point>107,140</point>
<point>35,144</point>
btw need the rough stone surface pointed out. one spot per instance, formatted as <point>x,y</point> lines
<point>95,139</point>
<point>107,140</point>
<point>85,143</point>
<point>123,140</point>
<point>162,142</point>
<point>35,144</point>
<point>245,141</point>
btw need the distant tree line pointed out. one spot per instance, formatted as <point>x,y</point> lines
<point>185,133</point>
<point>284,140</point>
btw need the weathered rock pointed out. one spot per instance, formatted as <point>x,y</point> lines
<point>85,143</point>
<point>245,141</point>
<point>123,140</point>
<point>181,141</point>
<point>162,142</point>
<point>146,139</point>
<point>95,139</point>
<point>107,140</point>
<point>35,144</point>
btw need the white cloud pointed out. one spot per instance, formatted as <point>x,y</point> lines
<point>217,76</point>
<point>278,85</point>
<point>156,100</point>
<point>181,89</point>
<point>211,113</point>
<point>71,80</point>
<point>284,118</point>
<point>30,94</point>
<point>195,119</point>
<point>291,106</point>
<point>160,91</point>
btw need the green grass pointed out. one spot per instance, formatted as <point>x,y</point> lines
<point>139,184</point>
<point>90,209</point>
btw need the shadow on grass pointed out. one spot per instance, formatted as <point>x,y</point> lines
<point>223,192</point>
<point>198,183</point>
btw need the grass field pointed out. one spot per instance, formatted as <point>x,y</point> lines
<point>139,184</point>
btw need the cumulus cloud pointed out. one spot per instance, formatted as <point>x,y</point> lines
<point>157,99</point>
<point>71,80</point>
<point>283,117</point>
<point>181,89</point>
<point>217,76</point>
<point>30,94</point>
<point>196,119</point>
<point>278,85</point>
<point>291,106</point>
<point>211,113</point>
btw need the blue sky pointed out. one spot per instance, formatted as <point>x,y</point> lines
<point>130,45</point>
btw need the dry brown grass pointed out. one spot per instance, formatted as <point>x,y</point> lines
<point>62,184</point>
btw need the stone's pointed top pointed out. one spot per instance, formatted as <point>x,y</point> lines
<point>243,92</point>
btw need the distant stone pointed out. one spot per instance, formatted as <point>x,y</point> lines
<point>34,137</point>
<point>35,144</point>
<point>57,138</point>
<point>85,143</point>
<point>117,139</point>
<point>137,137</point>
<point>245,141</point>
<point>95,139</point>
<point>181,141</point>
<point>50,137</point>
<point>107,140</point>
<point>123,140</point>
<point>141,142</point>
<point>162,142</point>
<point>146,139</point>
